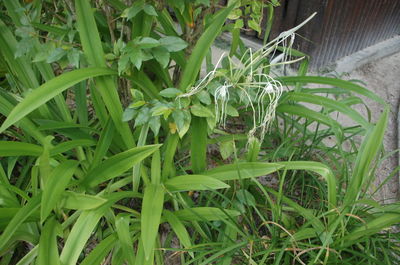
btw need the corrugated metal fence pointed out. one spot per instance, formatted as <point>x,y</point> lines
<point>340,28</point>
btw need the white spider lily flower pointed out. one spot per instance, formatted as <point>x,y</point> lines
<point>221,103</point>
<point>247,78</point>
<point>273,89</point>
<point>268,92</point>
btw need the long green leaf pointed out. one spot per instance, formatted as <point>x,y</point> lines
<point>194,182</point>
<point>141,256</point>
<point>122,227</point>
<point>66,146</point>
<point>156,168</point>
<point>25,124</point>
<point>309,114</point>
<point>330,103</point>
<point>152,207</point>
<point>13,8</point>
<point>19,149</point>
<point>136,169</point>
<point>179,229</point>
<point>292,80</point>
<point>57,182</point>
<point>243,170</point>
<point>321,169</point>
<point>28,258</point>
<point>368,151</point>
<point>118,164</point>
<point>50,89</point>
<point>84,226</point>
<point>7,214</point>
<point>80,201</point>
<point>19,66</point>
<point>48,248</point>
<point>306,213</point>
<point>369,228</point>
<point>193,65</point>
<point>205,214</point>
<point>198,144</point>
<point>92,48</point>
<point>103,144</point>
<point>24,213</point>
<point>97,255</point>
<point>169,153</point>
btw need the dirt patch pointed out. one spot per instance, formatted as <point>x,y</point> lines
<point>382,77</point>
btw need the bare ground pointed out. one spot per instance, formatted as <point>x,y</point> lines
<point>382,77</point>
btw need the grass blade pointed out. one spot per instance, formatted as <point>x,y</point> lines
<point>13,8</point>
<point>152,207</point>
<point>97,255</point>
<point>8,148</point>
<point>301,111</point>
<point>84,226</point>
<point>194,182</point>
<point>369,228</point>
<point>23,214</point>
<point>193,65</point>
<point>117,164</point>
<point>368,151</point>
<point>321,169</point>
<point>66,146</point>
<point>80,201</point>
<point>306,213</point>
<point>55,186</point>
<point>205,214</point>
<point>331,104</point>
<point>48,249</point>
<point>18,66</point>
<point>124,236</point>
<point>25,124</point>
<point>92,48</point>
<point>292,80</point>
<point>156,168</point>
<point>243,170</point>
<point>179,230</point>
<point>103,144</point>
<point>49,90</point>
<point>30,257</point>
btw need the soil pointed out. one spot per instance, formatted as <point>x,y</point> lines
<point>381,76</point>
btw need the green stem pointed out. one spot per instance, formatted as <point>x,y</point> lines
<point>136,169</point>
<point>198,144</point>
<point>168,166</point>
<point>269,23</point>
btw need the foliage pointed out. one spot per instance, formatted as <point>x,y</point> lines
<point>116,149</point>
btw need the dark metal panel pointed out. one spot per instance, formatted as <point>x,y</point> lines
<point>340,28</point>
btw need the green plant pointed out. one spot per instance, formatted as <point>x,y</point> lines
<point>107,125</point>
